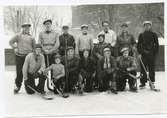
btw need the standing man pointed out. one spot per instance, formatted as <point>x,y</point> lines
<point>107,72</point>
<point>33,68</point>
<point>49,41</point>
<point>85,41</point>
<point>22,43</point>
<point>66,40</point>
<point>125,39</point>
<point>110,37</point>
<point>148,48</point>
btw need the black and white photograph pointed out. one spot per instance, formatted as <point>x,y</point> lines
<point>84,60</point>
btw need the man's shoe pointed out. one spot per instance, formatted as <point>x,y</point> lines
<point>133,89</point>
<point>114,91</point>
<point>152,86</point>
<point>142,86</point>
<point>16,90</point>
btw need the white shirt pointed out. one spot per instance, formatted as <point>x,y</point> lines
<point>110,37</point>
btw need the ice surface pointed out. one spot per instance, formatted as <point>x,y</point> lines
<point>143,102</point>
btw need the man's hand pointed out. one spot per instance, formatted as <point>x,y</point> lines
<point>16,50</point>
<point>40,72</point>
<point>46,51</point>
<point>93,75</point>
<point>45,72</point>
<point>99,56</point>
<point>139,55</point>
<point>128,69</point>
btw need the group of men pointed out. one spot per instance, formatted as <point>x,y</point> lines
<point>80,65</point>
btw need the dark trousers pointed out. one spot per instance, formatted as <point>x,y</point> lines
<point>72,81</point>
<point>59,84</point>
<point>87,80</point>
<point>50,60</point>
<point>149,62</point>
<point>122,78</point>
<point>114,51</point>
<point>106,81</point>
<point>19,75</point>
<point>31,82</point>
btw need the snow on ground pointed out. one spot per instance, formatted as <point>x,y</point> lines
<point>143,102</point>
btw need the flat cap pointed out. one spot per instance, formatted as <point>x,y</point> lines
<point>48,20</point>
<point>69,48</point>
<point>57,56</point>
<point>103,35</point>
<point>147,22</point>
<point>65,27</point>
<point>26,25</point>
<point>124,49</point>
<point>124,25</point>
<point>84,26</point>
<point>106,49</point>
<point>38,46</point>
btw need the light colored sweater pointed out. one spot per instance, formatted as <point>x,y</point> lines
<point>49,41</point>
<point>31,65</point>
<point>85,42</point>
<point>57,69</point>
<point>110,37</point>
<point>23,42</point>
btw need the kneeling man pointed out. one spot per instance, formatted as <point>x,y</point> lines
<point>33,68</point>
<point>107,72</point>
<point>126,69</point>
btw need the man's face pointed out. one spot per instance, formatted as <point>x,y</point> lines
<point>65,31</point>
<point>147,27</point>
<point>48,26</point>
<point>126,54</point>
<point>26,29</point>
<point>107,53</point>
<point>38,51</point>
<point>57,60</point>
<point>124,29</point>
<point>70,52</point>
<point>101,39</point>
<point>105,26</point>
<point>84,30</point>
<point>86,54</point>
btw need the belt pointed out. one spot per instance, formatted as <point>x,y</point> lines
<point>48,44</point>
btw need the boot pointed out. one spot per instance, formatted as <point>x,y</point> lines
<point>142,86</point>
<point>16,90</point>
<point>114,91</point>
<point>152,85</point>
<point>114,88</point>
<point>133,89</point>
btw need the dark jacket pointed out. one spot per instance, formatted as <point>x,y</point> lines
<point>128,41</point>
<point>72,64</point>
<point>87,66</point>
<point>98,50</point>
<point>124,63</point>
<point>148,43</point>
<point>70,42</point>
<point>112,64</point>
